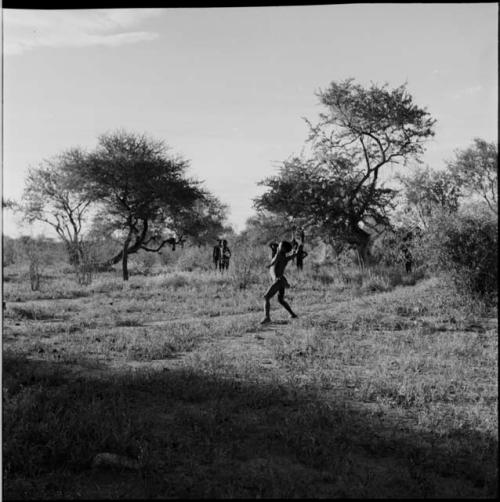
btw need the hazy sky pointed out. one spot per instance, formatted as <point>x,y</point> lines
<point>227,87</point>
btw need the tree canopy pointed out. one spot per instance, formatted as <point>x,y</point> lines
<point>426,191</point>
<point>50,196</point>
<point>337,187</point>
<point>476,171</point>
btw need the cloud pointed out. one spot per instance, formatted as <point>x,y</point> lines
<point>467,91</point>
<point>31,29</point>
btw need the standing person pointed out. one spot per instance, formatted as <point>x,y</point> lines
<point>406,251</point>
<point>216,254</point>
<point>225,255</point>
<point>301,254</point>
<point>408,258</point>
<point>277,269</point>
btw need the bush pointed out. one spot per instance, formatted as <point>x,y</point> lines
<point>169,258</point>
<point>9,253</point>
<point>466,247</point>
<point>174,281</point>
<point>40,254</point>
<point>194,258</point>
<point>144,262</point>
<point>249,264</point>
<point>373,282</point>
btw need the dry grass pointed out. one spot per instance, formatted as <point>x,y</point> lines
<point>386,386</point>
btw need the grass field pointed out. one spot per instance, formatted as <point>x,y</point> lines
<point>386,386</point>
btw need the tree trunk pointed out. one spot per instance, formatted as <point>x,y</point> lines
<point>132,249</point>
<point>73,249</point>
<point>125,266</point>
<point>125,256</point>
<point>363,250</point>
<point>362,242</point>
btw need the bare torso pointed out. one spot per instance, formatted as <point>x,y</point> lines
<point>278,265</point>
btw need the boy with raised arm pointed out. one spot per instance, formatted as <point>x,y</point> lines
<point>277,269</point>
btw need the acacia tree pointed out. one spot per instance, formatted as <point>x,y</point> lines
<point>50,196</point>
<point>361,131</point>
<point>138,185</point>
<point>476,171</point>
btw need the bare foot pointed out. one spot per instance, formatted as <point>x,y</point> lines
<point>266,320</point>
<point>294,316</point>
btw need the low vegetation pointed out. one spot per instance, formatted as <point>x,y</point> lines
<point>386,385</point>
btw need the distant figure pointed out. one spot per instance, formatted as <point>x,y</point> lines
<point>301,235</point>
<point>298,248</point>
<point>301,254</point>
<point>277,269</point>
<point>408,257</point>
<point>216,254</point>
<point>294,242</point>
<point>274,248</point>
<point>225,256</point>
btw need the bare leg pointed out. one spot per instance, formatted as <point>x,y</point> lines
<point>267,306</point>
<point>281,299</point>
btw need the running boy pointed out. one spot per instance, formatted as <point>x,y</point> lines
<point>277,266</point>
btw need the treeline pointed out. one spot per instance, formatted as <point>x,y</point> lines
<point>132,195</point>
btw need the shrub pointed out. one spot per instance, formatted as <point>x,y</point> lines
<point>194,257</point>
<point>9,253</point>
<point>248,264</point>
<point>373,282</point>
<point>144,261</point>
<point>86,263</point>
<point>466,247</point>
<point>174,281</point>
<point>38,252</point>
<point>324,277</point>
<point>169,258</point>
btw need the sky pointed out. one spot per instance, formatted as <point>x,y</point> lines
<point>228,88</point>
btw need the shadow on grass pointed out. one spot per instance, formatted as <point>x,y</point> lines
<point>201,435</point>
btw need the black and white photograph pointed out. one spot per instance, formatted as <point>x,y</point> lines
<point>249,251</point>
